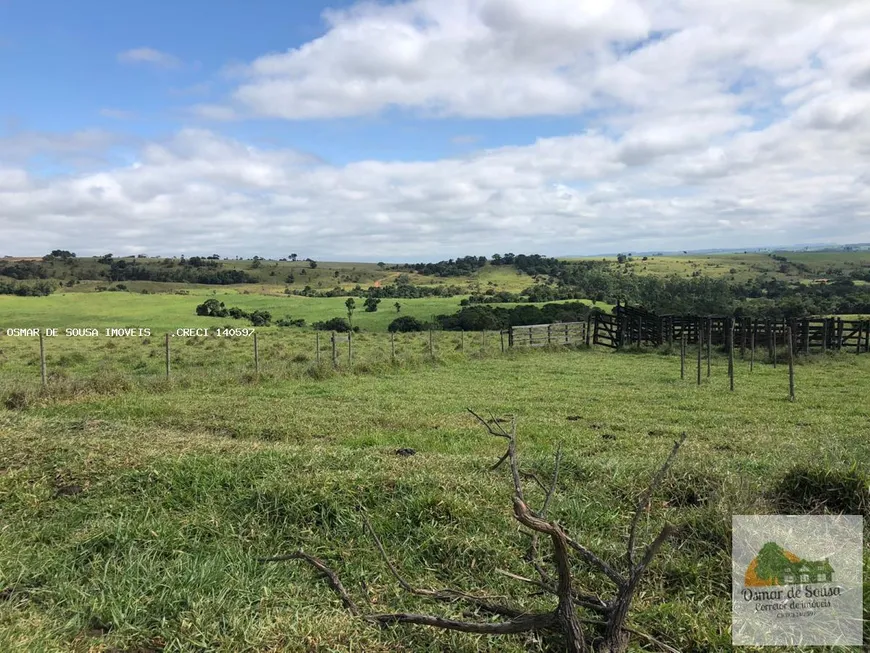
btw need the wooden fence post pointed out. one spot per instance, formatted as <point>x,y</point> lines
<point>754,324</point>
<point>790,367</point>
<point>256,355</point>
<point>588,330</point>
<point>709,345</point>
<point>860,336</point>
<point>700,348</point>
<point>317,347</point>
<point>168,364</point>
<point>825,335</point>
<point>683,356</point>
<point>805,333</point>
<point>42,370</point>
<point>775,329</point>
<point>334,352</point>
<point>731,352</point>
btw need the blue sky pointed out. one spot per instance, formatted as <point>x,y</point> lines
<point>432,128</point>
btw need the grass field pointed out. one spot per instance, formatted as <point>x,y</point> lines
<point>132,520</point>
<point>164,312</point>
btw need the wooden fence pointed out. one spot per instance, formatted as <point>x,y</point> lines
<point>542,335</point>
<point>632,326</point>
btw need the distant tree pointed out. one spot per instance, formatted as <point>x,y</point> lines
<point>371,304</point>
<point>312,263</point>
<point>405,324</point>
<point>293,257</point>
<point>350,305</point>
<point>382,265</point>
<point>212,308</point>
<point>59,253</point>
<point>256,264</point>
<point>333,324</point>
<point>398,307</point>
<point>290,278</point>
<point>105,259</point>
<point>260,318</point>
<point>621,258</point>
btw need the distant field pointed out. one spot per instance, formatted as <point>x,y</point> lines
<point>163,312</point>
<point>743,267</point>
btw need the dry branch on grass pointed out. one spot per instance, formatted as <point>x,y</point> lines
<point>608,633</point>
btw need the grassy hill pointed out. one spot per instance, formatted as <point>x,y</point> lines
<point>796,266</point>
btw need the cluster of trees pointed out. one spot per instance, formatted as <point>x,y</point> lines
<point>214,308</point>
<point>451,268</point>
<point>34,289</point>
<point>481,317</point>
<point>22,270</point>
<point>206,272</point>
<point>59,254</point>
<point>339,324</point>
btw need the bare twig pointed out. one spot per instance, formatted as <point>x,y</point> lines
<point>643,502</point>
<point>522,624</point>
<point>331,576</point>
<point>450,595</point>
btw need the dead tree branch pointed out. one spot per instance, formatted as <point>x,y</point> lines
<point>581,635</point>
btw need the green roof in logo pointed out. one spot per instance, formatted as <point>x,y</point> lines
<point>775,566</point>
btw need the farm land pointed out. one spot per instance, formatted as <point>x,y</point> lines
<point>134,509</point>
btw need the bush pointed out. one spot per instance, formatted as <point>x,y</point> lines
<point>339,324</point>
<point>406,324</point>
<point>212,308</point>
<point>260,318</point>
<point>288,322</point>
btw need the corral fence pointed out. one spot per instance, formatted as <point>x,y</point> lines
<point>632,326</point>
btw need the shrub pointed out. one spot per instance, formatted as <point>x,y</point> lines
<point>339,324</point>
<point>260,318</point>
<point>406,324</point>
<point>212,308</point>
<point>288,322</point>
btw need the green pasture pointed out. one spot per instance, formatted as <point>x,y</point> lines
<point>133,509</point>
<point>167,312</point>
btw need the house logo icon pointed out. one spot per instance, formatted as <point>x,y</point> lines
<point>775,566</point>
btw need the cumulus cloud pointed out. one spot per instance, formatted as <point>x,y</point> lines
<point>149,56</point>
<point>727,122</point>
<point>560,195</point>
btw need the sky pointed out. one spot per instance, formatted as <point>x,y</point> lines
<point>430,129</point>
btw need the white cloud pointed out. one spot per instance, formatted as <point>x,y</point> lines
<point>149,56</point>
<point>560,195</point>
